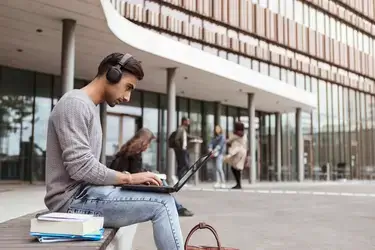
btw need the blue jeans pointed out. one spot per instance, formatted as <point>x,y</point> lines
<point>220,177</point>
<point>123,208</point>
<point>183,161</point>
<point>178,205</point>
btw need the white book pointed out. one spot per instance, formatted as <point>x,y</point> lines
<point>66,223</point>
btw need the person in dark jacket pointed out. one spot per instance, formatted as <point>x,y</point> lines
<point>129,159</point>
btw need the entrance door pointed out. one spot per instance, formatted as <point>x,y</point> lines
<point>120,128</point>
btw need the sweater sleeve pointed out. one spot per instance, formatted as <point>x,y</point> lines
<point>72,128</point>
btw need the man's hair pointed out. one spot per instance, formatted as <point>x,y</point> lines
<point>132,66</point>
<point>184,119</point>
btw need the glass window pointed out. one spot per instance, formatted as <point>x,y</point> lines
<point>195,118</point>
<point>264,68</point>
<point>345,125</point>
<point>232,117</point>
<point>315,126</point>
<point>290,78</point>
<point>275,72</point>
<point>183,108</point>
<point>284,75</point>
<point>210,50</point>
<point>353,142</point>
<point>232,57</point>
<point>336,149</point>
<point>312,23</point>
<point>78,83</point>
<point>323,122</point>
<point>256,65</point>
<point>223,54</point>
<point>306,10</point>
<point>300,81</point>
<point>43,105</point>
<point>163,132</point>
<point>223,119</point>
<point>282,7</point>
<point>209,111</point>
<point>298,12</point>
<point>244,61</point>
<point>330,126</point>
<point>289,11</point>
<point>320,22</point>
<point>16,113</point>
<point>151,121</point>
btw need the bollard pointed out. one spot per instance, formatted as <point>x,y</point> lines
<point>196,153</point>
<point>328,171</point>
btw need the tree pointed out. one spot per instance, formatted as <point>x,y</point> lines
<point>13,111</point>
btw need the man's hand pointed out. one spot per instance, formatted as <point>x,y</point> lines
<point>145,178</point>
<point>148,178</point>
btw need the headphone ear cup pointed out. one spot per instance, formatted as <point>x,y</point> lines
<point>114,75</point>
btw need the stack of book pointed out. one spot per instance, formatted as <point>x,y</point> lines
<point>56,227</point>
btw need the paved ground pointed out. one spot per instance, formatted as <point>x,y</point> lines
<point>280,216</point>
<point>18,200</point>
<point>333,215</point>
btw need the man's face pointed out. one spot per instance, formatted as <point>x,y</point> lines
<point>187,123</point>
<point>121,91</point>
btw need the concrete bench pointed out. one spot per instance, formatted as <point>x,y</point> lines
<point>15,234</point>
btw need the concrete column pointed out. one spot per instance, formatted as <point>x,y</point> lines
<point>299,145</point>
<point>67,55</point>
<point>251,137</point>
<point>217,114</point>
<point>103,120</point>
<point>171,122</point>
<point>278,146</point>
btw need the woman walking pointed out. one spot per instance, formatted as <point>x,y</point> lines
<point>237,152</point>
<point>217,144</point>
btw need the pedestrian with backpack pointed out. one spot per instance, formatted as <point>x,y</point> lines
<point>178,140</point>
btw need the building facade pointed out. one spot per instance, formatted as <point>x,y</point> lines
<point>324,47</point>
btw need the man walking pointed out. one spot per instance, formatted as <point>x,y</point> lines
<point>181,142</point>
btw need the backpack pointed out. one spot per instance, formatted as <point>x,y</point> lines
<point>172,140</point>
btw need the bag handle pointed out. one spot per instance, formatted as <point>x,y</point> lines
<point>202,225</point>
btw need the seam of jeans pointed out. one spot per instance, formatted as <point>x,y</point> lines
<point>151,200</point>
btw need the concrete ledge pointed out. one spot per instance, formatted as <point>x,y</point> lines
<point>123,239</point>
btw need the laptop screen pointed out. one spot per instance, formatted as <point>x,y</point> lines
<point>203,159</point>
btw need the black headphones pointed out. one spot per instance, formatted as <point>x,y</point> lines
<point>114,74</point>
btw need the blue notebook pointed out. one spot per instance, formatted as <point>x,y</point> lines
<point>46,237</point>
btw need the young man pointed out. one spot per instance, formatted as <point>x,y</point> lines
<point>77,182</point>
<point>182,155</point>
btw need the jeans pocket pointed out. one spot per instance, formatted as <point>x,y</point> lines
<point>81,193</point>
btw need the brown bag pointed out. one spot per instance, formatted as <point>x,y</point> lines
<point>203,225</point>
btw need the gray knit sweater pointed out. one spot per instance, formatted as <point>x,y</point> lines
<point>74,141</point>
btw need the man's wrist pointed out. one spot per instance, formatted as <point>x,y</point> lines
<point>124,178</point>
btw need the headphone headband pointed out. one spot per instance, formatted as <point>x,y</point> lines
<point>124,60</point>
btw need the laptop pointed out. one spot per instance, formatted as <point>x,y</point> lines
<point>171,189</point>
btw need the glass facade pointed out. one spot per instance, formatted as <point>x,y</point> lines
<point>325,47</point>
<point>27,98</point>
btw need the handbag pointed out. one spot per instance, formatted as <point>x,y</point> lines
<point>203,225</point>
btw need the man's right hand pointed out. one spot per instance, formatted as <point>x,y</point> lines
<point>148,178</point>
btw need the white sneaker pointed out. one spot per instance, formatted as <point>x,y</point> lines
<point>222,185</point>
<point>217,185</point>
